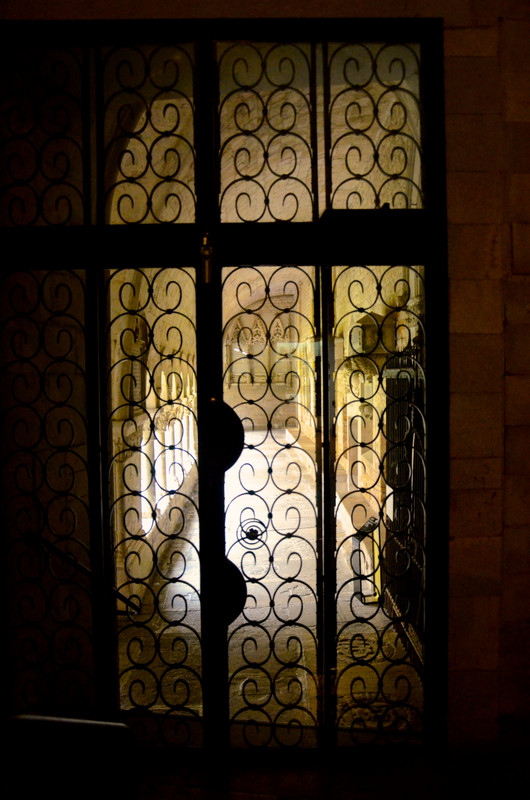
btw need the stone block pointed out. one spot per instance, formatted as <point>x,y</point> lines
<point>517,341</point>
<point>517,399</point>
<point>476,473</point>
<point>486,12</point>
<point>515,605</point>
<point>475,513</point>
<point>477,425</point>
<point>475,566</point>
<point>463,191</point>
<point>514,641</point>
<point>472,86</point>
<point>516,500</point>
<point>481,732</point>
<point>473,633</point>
<point>517,96</point>
<point>475,306</point>
<point>517,300</point>
<point>476,251</point>
<point>518,188</point>
<point>473,142</point>
<point>521,247</point>
<point>454,12</point>
<point>517,450</point>
<point>517,146</point>
<point>515,35</point>
<point>514,697</point>
<point>515,9</point>
<point>516,550</point>
<point>471,41</point>
<point>476,362</point>
<point>472,694</point>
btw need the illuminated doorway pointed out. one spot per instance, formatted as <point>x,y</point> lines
<point>308,163</point>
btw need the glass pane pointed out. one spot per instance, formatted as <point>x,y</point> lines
<point>270,379</point>
<point>374,119</point>
<point>149,135</point>
<point>266,152</point>
<point>380,500</point>
<point>45,468</point>
<point>154,506</point>
<point>41,138</point>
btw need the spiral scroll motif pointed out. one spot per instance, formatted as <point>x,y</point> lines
<point>149,134</point>
<point>45,491</point>
<point>266,150</point>
<point>374,119</point>
<point>271,503</point>
<point>380,501</point>
<point>154,506</point>
<point>41,135</point>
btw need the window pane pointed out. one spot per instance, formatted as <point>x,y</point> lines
<point>41,138</point>
<point>379,389</point>
<point>154,505</point>
<point>149,135</point>
<point>45,478</point>
<point>271,497</point>
<point>266,152</point>
<point>374,118</point>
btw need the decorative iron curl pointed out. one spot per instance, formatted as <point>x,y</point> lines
<point>43,146</point>
<point>375,124</point>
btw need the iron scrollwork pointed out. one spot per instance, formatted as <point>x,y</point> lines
<point>266,151</point>
<point>149,135</point>
<point>154,504</point>
<point>271,503</point>
<point>45,491</point>
<point>380,501</point>
<point>374,121</point>
<point>42,146</point>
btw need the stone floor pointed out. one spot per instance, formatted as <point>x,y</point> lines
<point>75,758</point>
<point>411,775</point>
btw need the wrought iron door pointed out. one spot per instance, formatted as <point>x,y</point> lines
<point>265,219</point>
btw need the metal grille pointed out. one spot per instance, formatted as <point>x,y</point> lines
<point>153,493</point>
<point>325,366</point>
<point>265,118</point>
<point>41,137</point>
<point>45,491</point>
<point>149,134</point>
<point>380,501</point>
<point>374,120</point>
<point>272,505</point>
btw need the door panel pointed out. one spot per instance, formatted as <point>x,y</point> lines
<point>267,142</point>
<point>379,387</point>
<point>295,631</point>
<point>272,499</point>
<point>152,430</point>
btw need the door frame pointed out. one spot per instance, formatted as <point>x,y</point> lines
<point>416,236</point>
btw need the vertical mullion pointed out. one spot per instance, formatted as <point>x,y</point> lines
<point>328,580</point>
<point>437,396</point>
<point>87,110</point>
<point>105,651</point>
<point>209,396</point>
<point>321,506</point>
<point>100,138</point>
<point>96,355</point>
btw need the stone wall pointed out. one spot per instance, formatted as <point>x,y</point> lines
<point>487,69</point>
